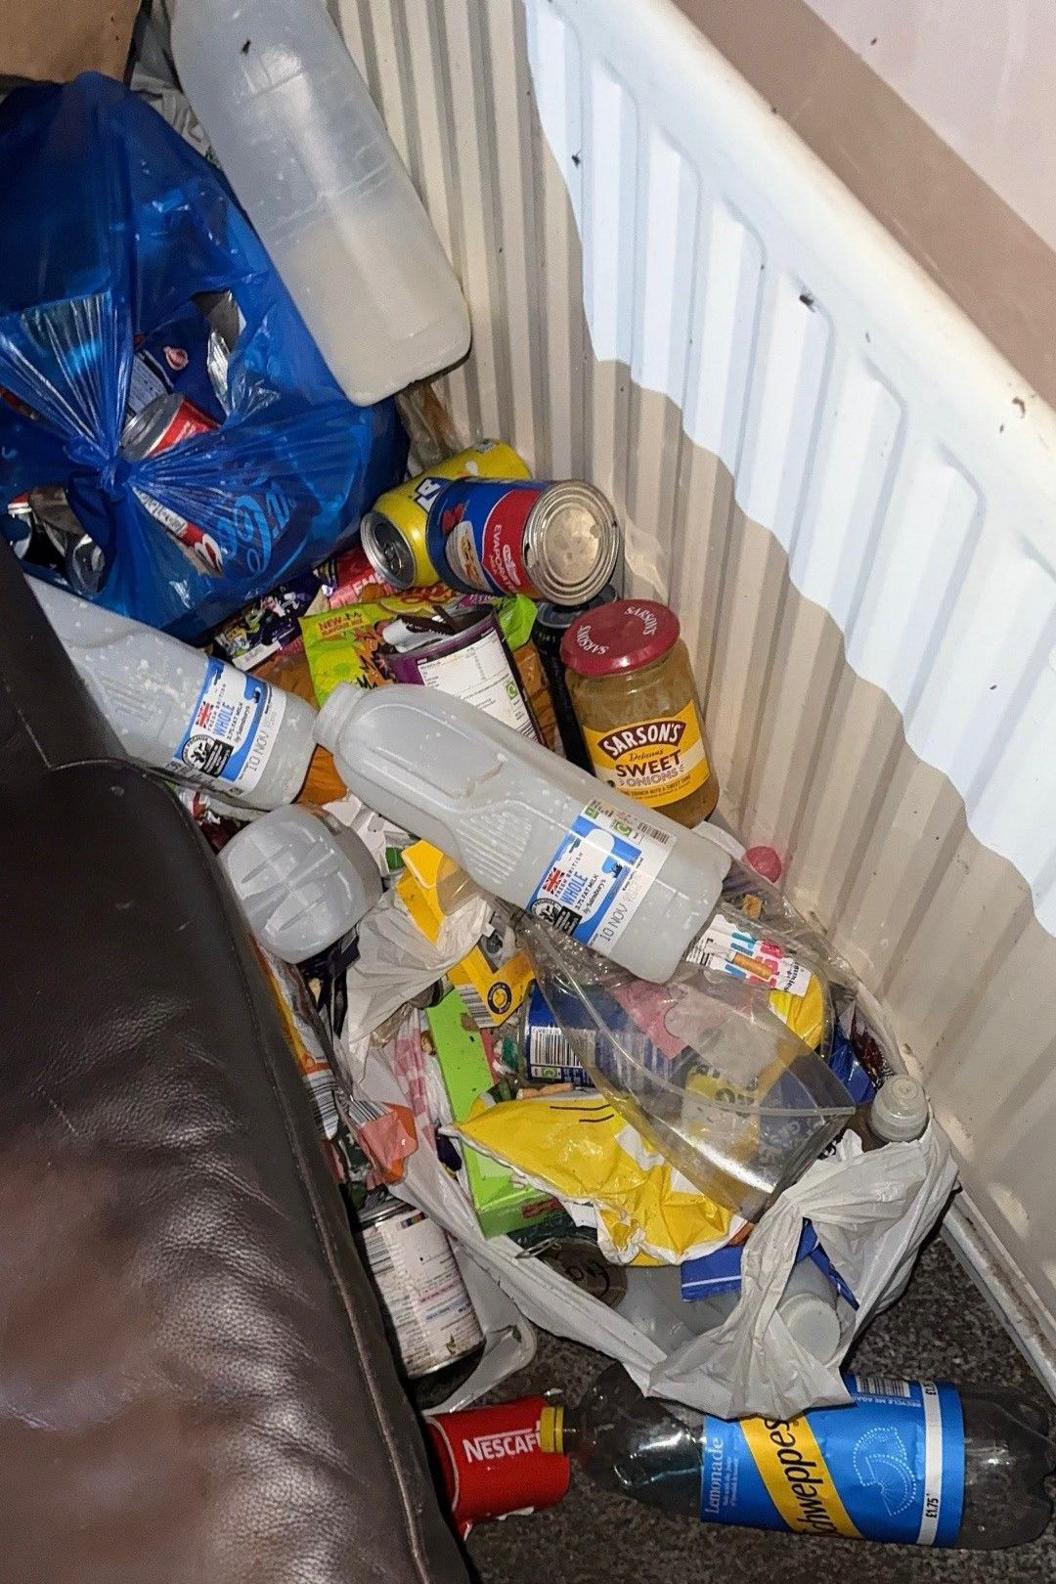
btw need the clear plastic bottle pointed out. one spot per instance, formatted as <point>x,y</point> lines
<point>175,708</point>
<point>525,825</point>
<point>870,1471</point>
<point>300,140</point>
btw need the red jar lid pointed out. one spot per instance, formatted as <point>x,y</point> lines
<point>622,636</point>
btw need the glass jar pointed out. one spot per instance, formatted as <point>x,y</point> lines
<point>635,698</point>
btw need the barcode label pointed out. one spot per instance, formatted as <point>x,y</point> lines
<point>548,1047</point>
<point>324,1102</point>
<point>381,1260</point>
<point>476,1006</point>
<point>360,1112</point>
<point>882,1386</point>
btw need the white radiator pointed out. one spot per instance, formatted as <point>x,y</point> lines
<point>845,492</point>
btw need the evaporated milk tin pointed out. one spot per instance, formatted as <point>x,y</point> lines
<point>553,541</point>
<point>393,532</point>
<point>420,1285</point>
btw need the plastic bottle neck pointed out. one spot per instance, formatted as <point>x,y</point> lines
<point>558,1431</point>
<point>899,1112</point>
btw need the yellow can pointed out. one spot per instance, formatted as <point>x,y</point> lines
<point>393,531</point>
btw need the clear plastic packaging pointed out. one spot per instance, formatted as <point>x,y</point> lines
<point>654,1304</point>
<point>701,1066</point>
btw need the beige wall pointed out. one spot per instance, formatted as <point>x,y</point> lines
<point>981,74</point>
<point>945,128</point>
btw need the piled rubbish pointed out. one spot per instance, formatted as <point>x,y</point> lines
<point>576,1061</point>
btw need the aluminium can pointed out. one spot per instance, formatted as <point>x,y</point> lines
<point>163,423</point>
<point>393,532</point>
<point>553,541</point>
<point>420,1285</point>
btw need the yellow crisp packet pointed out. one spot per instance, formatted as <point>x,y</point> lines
<point>580,1149</point>
<point>805,1014</point>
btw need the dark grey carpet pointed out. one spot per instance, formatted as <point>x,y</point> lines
<point>941,1327</point>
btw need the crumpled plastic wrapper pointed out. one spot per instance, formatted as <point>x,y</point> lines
<point>395,964</point>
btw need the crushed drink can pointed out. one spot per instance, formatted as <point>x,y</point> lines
<point>393,532</point>
<point>356,579</point>
<point>22,524</point>
<point>492,1464</point>
<point>166,422</point>
<point>553,541</point>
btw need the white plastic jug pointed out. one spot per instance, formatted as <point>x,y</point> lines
<point>301,885</point>
<point>307,153</point>
<point>526,825</point>
<point>175,708</point>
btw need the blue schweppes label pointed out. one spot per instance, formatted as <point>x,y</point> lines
<point>889,1468</point>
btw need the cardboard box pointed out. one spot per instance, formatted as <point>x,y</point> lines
<point>58,40</point>
<point>501,1204</point>
<point>492,978</point>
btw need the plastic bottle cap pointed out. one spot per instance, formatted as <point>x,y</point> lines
<point>552,1430</point>
<point>622,636</point>
<point>814,1323</point>
<point>335,715</point>
<point>899,1113</point>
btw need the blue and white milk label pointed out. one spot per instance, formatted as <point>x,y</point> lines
<point>595,882</point>
<point>889,1468</point>
<point>232,730</point>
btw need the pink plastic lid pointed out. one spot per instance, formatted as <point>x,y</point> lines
<point>622,636</point>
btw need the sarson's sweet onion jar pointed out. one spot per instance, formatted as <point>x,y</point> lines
<point>633,692</point>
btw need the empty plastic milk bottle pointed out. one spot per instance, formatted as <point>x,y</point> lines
<point>301,885</point>
<point>176,709</point>
<point>920,1462</point>
<point>307,153</point>
<point>527,826</point>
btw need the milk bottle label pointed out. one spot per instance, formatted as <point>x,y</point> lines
<point>232,730</point>
<point>596,881</point>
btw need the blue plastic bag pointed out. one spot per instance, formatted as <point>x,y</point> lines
<point>114,223</point>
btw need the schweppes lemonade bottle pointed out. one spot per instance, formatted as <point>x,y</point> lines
<point>912,1461</point>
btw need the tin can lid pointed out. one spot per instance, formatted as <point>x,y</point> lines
<point>623,636</point>
<point>387,550</point>
<point>572,543</point>
<point>380,1205</point>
